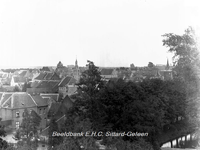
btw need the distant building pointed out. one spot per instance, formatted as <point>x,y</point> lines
<point>108,73</point>
<point>47,76</point>
<point>47,69</point>
<point>76,71</point>
<point>67,86</point>
<point>61,70</point>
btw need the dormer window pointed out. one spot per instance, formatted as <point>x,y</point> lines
<point>17,115</point>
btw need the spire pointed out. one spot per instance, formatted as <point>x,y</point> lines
<point>167,66</point>
<point>76,62</point>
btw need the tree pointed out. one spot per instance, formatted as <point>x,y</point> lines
<point>187,66</point>
<point>88,89</point>
<point>150,65</point>
<point>29,126</point>
<point>53,140</point>
<point>3,143</point>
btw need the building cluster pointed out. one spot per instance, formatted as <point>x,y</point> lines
<point>48,91</point>
<point>138,74</point>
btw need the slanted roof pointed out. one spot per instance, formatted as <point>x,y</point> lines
<point>64,81</point>
<point>47,84</point>
<point>40,101</point>
<point>35,84</point>
<point>55,76</point>
<point>40,76</point>
<point>22,73</point>
<point>53,109</point>
<point>4,97</point>
<point>46,69</point>
<point>18,79</point>
<point>48,76</point>
<point>72,81</point>
<point>106,71</point>
<point>65,105</point>
<point>22,99</point>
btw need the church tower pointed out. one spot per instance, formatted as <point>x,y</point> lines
<point>167,66</point>
<point>76,71</point>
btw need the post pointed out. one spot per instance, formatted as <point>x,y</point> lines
<point>171,144</point>
<point>177,143</point>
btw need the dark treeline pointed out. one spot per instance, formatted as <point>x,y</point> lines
<point>152,106</point>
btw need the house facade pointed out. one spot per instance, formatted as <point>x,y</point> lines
<point>12,106</point>
<point>67,86</point>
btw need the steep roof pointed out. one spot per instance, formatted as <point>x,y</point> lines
<point>48,69</point>
<point>21,100</point>
<point>23,73</point>
<point>40,101</point>
<point>64,81</point>
<point>4,97</point>
<point>47,84</point>
<point>48,76</point>
<point>53,109</point>
<point>106,71</point>
<point>40,76</point>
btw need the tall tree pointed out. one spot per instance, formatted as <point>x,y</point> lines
<point>53,140</point>
<point>29,127</point>
<point>88,88</point>
<point>187,66</point>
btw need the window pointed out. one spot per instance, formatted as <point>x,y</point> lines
<point>40,111</point>
<point>17,114</point>
<point>44,110</point>
<point>17,125</point>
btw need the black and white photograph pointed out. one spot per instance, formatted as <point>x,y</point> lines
<point>99,74</point>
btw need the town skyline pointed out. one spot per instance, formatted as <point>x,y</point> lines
<point>109,33</point>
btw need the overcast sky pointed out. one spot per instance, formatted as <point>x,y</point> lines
<point>109,32</point>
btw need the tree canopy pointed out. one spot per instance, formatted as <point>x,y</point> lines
<point>187,67</point>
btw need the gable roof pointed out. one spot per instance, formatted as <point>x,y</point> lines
<point>47,84</point>
<point>40,101</point>
<point>48,76</point>
<point>40,76</point>
<point>48,69</point>
<point>21,100</point>
<point>106,71</point>
<point>22,73</point>
<point>65,104</point>
<point>64,81</point>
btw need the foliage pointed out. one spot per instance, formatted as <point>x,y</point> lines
<point>53,140</point>
<point>28,128</point>
<point>150,65</point>
<point>3,143</point>
<point>88,88</point>
<point>187,67</point>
